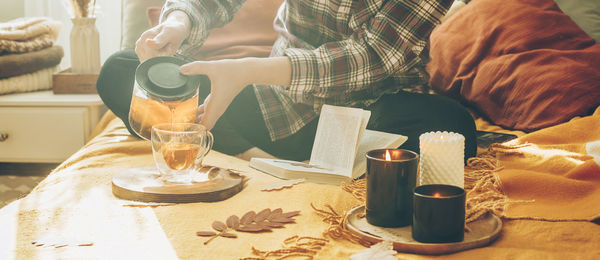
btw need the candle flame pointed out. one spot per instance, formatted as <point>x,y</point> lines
<point>388,158</point>
<point>437,195</point>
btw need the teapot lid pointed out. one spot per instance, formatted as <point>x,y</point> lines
<point>160,76</point>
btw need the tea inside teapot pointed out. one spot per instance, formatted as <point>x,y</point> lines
<point>161,94</point>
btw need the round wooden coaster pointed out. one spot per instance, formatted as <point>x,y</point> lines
<point>482,232</point>
<point>143,184</point>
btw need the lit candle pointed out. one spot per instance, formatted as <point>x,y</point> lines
<point>439,214</point>
<point>391,178</point>
<point>442,158</point>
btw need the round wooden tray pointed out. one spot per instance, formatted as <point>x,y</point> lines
<point>143,184</point>
<point>482,232</point>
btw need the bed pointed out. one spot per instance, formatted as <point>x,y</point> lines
<point>545,186</point>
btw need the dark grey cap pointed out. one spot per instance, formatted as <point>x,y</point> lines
<point>160,77</point>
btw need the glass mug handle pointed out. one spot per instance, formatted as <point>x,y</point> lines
<point>208,143</point>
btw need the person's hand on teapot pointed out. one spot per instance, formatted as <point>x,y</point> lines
<point>165,38</point>
<point>229,77</point>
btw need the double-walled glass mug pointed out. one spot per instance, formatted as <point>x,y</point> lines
<point>161,94</point>
<point>178,150</point>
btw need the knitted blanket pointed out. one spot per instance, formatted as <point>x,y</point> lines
<point>39,80</point>
<point>28,34</point>
<point>75,205</point>
<point>23,63</point>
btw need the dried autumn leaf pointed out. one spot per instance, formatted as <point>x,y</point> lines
<point>233,221</point>
<point>291,214</point>
<point>276,214</point>
<point>205,233</point>
<point>252,228</point>
<point>262,215</point>
<point>60,242</point>
<point>247,218</point>
<point>263,221</point>
<point>274,224</point>
<point>219,226</point>
<point>229,235</point>
<point>282,220</point>
<point>263,224</point>
<point>281,184</point>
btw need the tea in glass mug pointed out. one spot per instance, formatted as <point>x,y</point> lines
<point>178,150</point>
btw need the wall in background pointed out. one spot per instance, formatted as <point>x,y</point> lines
<point>11,9</point>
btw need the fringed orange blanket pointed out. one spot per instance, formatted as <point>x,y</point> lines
<point>553,174</point>
<point>550,175</point>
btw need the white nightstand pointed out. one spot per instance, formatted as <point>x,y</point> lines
<point>44,127</point>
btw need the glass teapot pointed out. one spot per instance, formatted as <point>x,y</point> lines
<point>161,94</point>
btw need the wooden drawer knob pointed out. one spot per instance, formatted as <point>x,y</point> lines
<point>3,136</point>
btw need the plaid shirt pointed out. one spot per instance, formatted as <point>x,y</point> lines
<point>343,52</point>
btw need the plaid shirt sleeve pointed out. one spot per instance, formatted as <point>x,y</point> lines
<point>387,44</point>
<point>204,15</point>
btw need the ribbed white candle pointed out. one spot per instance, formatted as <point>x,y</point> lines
<point>442,158</point>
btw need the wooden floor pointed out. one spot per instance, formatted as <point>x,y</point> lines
<point>18,179</point>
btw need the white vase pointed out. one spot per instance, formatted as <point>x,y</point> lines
<point>85,46</point>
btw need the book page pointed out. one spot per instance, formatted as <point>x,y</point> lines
<point>337,136</point>
<point>371,140</point>
<point>366,114</point>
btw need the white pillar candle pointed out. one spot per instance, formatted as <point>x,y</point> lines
<point>442,158</point>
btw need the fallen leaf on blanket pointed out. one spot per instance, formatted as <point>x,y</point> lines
<point>60,242</point>
<point>247,218</point>
<point>291,214</point>
<point>251,222</point>
<point>262,215</point>
<point>219,226</point>
<point>278,212</point>
<point>282,184</point>
<point>229,235</point>
<point>228,169</point>
<point>233,222</point>
<point>383,250</point>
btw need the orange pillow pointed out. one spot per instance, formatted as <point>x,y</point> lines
<point>523,64</point>
<point>249,34</point>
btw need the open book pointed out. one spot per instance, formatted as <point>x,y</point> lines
<point>339,149</point>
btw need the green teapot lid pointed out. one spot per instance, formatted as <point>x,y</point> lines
<point>160,77</point>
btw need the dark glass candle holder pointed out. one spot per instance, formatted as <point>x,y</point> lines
<point>439,214</point>
<point>391,178</point>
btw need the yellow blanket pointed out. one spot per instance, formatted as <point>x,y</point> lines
<point>555,176</point>
<point>556,169</point>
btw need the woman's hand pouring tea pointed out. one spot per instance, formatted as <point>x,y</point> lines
<point>229,77</point>
<point>165,38</point>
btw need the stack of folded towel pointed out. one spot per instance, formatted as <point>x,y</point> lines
<point>28,56</point>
